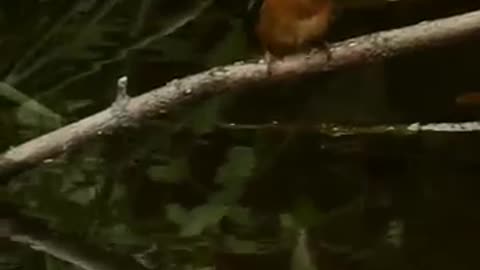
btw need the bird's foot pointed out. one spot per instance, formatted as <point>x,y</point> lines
<point>327,49</point>
<point>324,46</point>
<point>269,61</point>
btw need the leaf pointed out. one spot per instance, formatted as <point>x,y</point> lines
<point>202,217</point>
<point>240,215</point>
<point>287,221</point>
<point>241,246</point>
<point>177,214</point>
<point>74,105</point>
<point>301,255</point>
<point>83,196</point>
<point>232,47</point>
<point>239,165</point>
<point>121,234</point>
<point>234,174</point>
<point>30,111</point>
<point>174,172</point>
<point>305,213</point>
<point>229,195</point>
<point>174,49</point>
<point>203,118</point>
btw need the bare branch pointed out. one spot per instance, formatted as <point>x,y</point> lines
<point>355,51</point>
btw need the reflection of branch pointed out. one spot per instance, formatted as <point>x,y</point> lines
<point>74,251</point>
<point>336,130</point>
<point>361,50</point>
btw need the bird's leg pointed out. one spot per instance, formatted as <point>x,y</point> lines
<point>269,59</point>
<point>323,46</point>
<point>326,47</point>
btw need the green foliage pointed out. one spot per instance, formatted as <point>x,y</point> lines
<point>194,222</point>
<point>233,46</point>
<point>305,213</point>
<point>176,171</point>
<point>233,176</point>
<point>239,165</point>
<point>203,118</point>
<point>302,258</point>
<point>202,217</point>
<point>241,246</point>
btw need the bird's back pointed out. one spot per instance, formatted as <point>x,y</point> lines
<point>287,26</point>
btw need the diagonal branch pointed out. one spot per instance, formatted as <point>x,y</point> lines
<point>361,50</point>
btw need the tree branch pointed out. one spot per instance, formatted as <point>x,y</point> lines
<point>361,50</point>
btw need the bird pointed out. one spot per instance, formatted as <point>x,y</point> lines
<point>468,98</point>
<point>291,26</point>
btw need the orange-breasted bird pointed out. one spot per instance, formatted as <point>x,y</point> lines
<point>289,26</point>
<point>469,98</point>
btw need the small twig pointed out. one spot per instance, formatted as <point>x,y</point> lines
<point>119,106</point>
<point>355,51</point>
<point>138,25</point>
<point>11,93</point>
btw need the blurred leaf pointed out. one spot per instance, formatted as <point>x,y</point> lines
<point>228,195</point>
<point>174,172</point>
<point>83,196</point>
<point>287,221</point>
<point>241,246</point>
<point>204,117</point>
<point>174,49</point>
<point>239,165</point>
<point>305,213</point>
<point>30,112</point>
<point>395,233</point>
<point>176,214</point>
<point>202,217</point>
<point>74,179</point>
<point>240,215</point>
<point>75,105</point>
<point>233,175</point>
<point>121,234</point>
<point>232,48</point>
<point>301,255</point>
